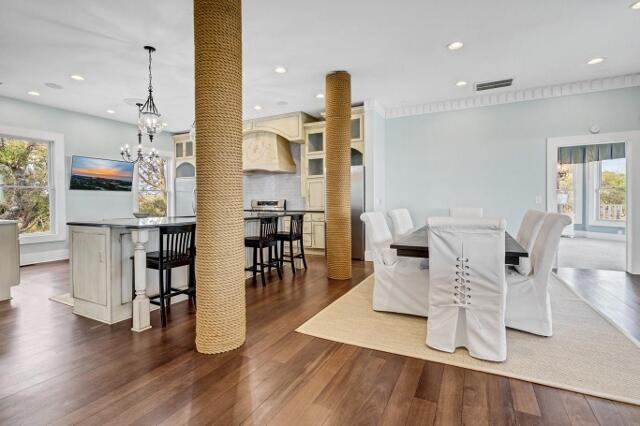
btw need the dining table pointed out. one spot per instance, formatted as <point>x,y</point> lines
<point>416,244</point>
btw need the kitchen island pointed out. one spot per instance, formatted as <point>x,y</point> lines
<point>101,265</point>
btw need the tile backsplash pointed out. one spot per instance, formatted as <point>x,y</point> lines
<point>264,186</point>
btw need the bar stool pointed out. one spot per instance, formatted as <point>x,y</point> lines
<point>177,247</point>
<point>294,234</point>
<point>266,239</point>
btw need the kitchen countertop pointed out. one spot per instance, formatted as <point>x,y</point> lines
<point>134,223</point>
<point>159,222</point>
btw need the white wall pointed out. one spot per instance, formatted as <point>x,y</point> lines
<point>492,157</point>
<point>83,135</point>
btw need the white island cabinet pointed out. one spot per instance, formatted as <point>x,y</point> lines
<point>9,257</point>
<point>102,257</point>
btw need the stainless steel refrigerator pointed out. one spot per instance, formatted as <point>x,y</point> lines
<point>185,197</point>
<point>357,208</point>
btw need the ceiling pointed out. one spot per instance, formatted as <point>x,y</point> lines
<point>396,51</point>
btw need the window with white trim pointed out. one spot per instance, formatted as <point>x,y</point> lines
<point>152,193</point>
<point>610,191</point>
<point>27,191</point>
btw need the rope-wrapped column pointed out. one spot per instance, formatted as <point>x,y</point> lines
<point>338,174</point>
<point>220,317</point>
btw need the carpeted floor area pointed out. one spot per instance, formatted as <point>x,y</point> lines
<point>591,253</point>
<point>586,353</point>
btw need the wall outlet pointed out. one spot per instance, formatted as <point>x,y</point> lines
<point>539,200</point>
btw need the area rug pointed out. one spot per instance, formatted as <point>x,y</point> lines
<point>586,354</point>
<point>65,299</point>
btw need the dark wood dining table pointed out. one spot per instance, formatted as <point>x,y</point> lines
<point>415,244</point>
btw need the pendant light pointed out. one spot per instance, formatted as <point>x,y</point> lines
<point>149,121</point>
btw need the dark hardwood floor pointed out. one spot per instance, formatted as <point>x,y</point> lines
<point>57,368</point>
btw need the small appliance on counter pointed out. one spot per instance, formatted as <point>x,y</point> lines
<point>269,205</point>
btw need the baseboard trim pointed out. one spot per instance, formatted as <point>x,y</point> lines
<point>43,257</point>
<point>600,235</point>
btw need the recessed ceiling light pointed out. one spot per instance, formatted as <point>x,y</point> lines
<point>461,83</point>
<point>635,6</point>
<point>280,70</point>
<point>320,96</point>
<point>257,107</point>
<point>53,86</point>
<point>110,111</point>
<point>595,61</point>
<point>33,93</point>
<point>77,77</point>
<point>455,45</point>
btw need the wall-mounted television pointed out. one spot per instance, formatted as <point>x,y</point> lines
<point>97,174</point>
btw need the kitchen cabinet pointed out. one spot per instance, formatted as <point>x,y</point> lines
<point>317,235</point>
<point>313,173</point>
<point>290,126</point>
<point>9,257</point>
<point>315,194</point>
<point>184,153</point>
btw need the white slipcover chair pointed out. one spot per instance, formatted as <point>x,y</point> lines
<point>465,212</point>
<point>528,300</point>
<point>527,234</point>
<point>467,287</point>
<point>401,285</point>
<point>401,221</point>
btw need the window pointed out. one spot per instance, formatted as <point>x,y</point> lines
<point>569,192</point>
<point>611,191</point>
<point>152,187</point>
<point>26,187</point>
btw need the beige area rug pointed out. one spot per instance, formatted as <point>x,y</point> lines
<point>65,299</point>
<point>586,354</point>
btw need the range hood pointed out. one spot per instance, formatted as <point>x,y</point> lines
<point>268,152</point>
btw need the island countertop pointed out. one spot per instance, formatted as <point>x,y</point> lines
<point>159,222</point>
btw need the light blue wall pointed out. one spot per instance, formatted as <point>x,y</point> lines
<point>83,135</point>
<point>492,157</point>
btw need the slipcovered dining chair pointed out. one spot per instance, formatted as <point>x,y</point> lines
<point>467,287</point>
<point>528,299</point>
<point>527,234</point>
<point>401,285</point>
<point>465,212</point>
<point>401,221</point>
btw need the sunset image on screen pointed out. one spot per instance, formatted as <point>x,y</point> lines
<point>102,175</point>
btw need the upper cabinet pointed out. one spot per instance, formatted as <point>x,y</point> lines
<point>290,126</point>
<point>184,151</point>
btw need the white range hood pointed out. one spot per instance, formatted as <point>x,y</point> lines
<point>266,152</point>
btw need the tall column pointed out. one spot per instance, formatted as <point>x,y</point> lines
<point>220,317</point>
<point>338,174</point>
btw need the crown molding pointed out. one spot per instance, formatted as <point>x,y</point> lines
<point>543,92</point>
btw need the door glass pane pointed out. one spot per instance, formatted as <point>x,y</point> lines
<point>29,206</point>
<point>612,190</point>
<point>316,167</point>
<point>315,142</point>
<point>565,191</point>
<point>189,149</point>
<point>179,151</point>
<point>355,128</point>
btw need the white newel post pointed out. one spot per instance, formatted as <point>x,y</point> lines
<point>141,306</point>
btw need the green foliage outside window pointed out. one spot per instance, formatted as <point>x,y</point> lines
<point>152,185</point>
<point>24,184</point>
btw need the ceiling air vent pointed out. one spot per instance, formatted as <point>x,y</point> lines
<point>489,85</point>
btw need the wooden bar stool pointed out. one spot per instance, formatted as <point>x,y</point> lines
<point>294,234</point>
<point>266,239</point>
<point>177,247</point>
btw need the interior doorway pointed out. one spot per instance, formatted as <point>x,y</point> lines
<point>591,187</point>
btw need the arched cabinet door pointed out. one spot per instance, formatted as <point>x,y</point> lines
<point>356,157</point>
<point>185,170</point>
